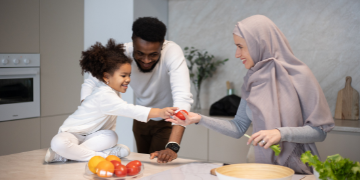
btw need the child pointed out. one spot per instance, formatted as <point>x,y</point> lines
<point>90,130</point>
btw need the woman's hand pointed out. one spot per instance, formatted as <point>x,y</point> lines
<point>191,118</point>
<point>270,137</point>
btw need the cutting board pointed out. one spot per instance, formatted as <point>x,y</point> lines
<point>347,103</point>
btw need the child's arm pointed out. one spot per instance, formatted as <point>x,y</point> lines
<point>163,113</point>
<point>111,104</point>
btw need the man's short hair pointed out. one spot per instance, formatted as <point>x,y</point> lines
<point>149,29</point>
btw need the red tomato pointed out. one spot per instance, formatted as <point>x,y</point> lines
<point>132,169</point>
<point>116,163</point>
<point>120,171</point>
<point>181,116</point>
<point>136,162</point>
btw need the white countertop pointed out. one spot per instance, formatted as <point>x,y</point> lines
<point>30,165</point>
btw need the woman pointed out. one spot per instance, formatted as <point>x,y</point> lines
<point>280,96</point>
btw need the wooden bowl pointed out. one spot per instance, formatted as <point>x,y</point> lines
<point>257,171</point>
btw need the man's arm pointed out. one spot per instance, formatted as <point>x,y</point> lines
<point>167,155</point>
<point>179,77</point>
<point>180,87</point>
<point>176,134</point>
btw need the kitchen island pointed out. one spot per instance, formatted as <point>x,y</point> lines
<point>30,165</point>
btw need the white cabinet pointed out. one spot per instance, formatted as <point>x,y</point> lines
<point>347,144</point>
<point>55,29</point>
<point>19,32</point>
<point>226,149</point>
<point>194,144</point>
<point>19,135</point>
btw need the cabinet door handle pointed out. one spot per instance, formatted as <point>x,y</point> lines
<point>19,73</point>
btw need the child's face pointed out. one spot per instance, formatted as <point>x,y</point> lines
<point>120,79</point>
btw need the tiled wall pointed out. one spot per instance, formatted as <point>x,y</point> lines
<point>323,34</point>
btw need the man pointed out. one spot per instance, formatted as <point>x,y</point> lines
<point>159,78</point>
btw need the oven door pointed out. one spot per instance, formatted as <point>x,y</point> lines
<point>19,93</point>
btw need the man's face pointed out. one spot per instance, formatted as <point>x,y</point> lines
<point>146,54</point>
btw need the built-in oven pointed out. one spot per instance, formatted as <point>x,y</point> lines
<point>19,86</point>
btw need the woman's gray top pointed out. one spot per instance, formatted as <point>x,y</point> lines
<point>238,126</point>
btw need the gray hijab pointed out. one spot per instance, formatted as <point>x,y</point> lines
<point>281,91</point>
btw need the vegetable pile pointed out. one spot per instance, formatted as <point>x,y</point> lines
<point>334,167</point>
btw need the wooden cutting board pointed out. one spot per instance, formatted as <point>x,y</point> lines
<point>347,103</point>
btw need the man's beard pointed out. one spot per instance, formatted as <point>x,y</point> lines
<point>145,70</point>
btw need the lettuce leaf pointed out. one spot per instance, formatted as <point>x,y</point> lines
<point>276,149</point>
<point>334,167</point>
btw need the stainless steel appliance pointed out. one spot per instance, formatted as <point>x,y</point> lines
<point>19,86</point>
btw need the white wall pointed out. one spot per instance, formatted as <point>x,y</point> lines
<point>323,34</point>
<point>105,20</point>
<point>153,8</point>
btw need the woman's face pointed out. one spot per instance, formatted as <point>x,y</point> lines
<point>120,80</point>
<point>242,52</point>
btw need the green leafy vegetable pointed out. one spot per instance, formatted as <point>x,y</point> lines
<point>276,148</point>
<point>334,167</point>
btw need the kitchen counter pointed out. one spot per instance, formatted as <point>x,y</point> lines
<point>30,165</point>
<point>340,125</point>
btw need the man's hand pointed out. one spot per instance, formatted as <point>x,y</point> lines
<point>164,156</point>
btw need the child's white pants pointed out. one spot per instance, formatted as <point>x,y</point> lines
<point>81,148</point>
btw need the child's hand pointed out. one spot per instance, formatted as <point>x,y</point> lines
<point>167,112</point>
<point>191,118</point>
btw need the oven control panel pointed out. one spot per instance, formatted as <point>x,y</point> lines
<point>19,60</point>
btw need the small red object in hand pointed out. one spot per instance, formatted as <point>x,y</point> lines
<point>180,115</point>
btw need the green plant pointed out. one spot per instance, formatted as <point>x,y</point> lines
<point>334,167</point>
<point>201,66</point>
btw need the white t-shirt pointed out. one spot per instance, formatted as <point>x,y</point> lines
<point>99,111</point>
<point>167,85</point>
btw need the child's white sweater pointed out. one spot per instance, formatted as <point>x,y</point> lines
<point>99,111</point>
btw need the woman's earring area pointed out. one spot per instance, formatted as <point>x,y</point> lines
<point>107,82</point>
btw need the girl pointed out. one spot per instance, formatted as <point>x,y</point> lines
<point>90,130</point>
<point>280,97</point>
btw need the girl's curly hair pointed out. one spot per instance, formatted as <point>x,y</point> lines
<point>99,59</point>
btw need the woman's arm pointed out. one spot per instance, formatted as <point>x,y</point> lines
<point>305,134</point>
<point>234,128</point>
